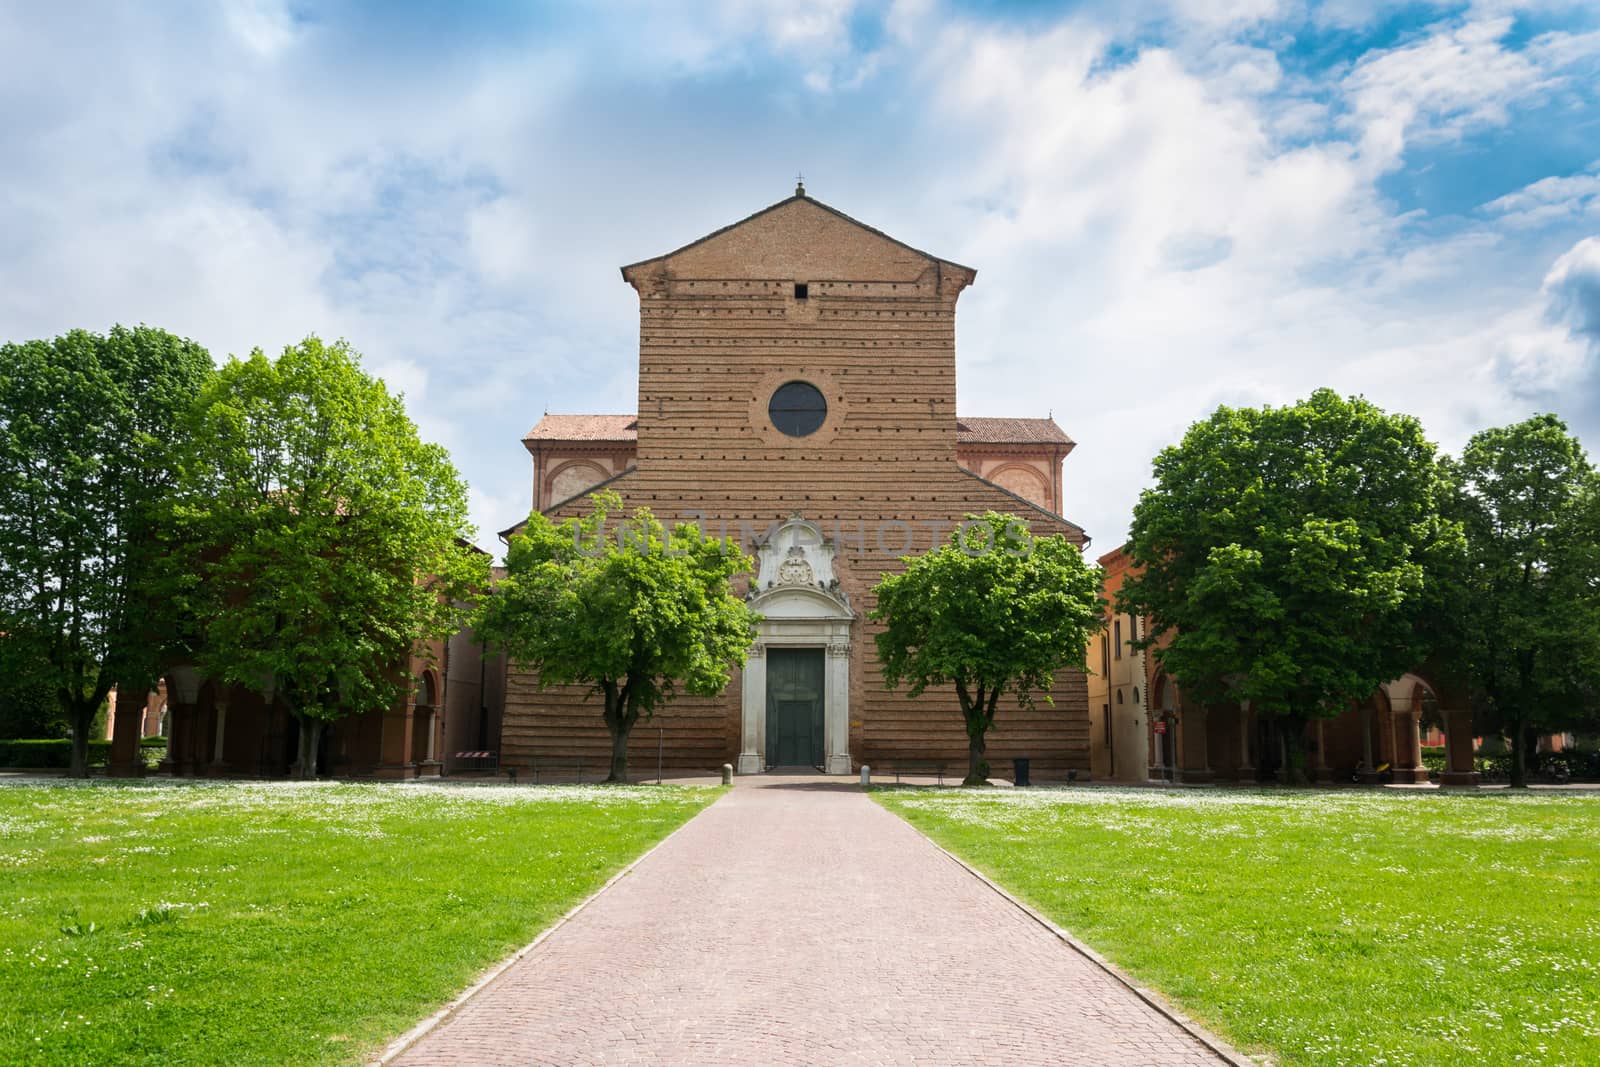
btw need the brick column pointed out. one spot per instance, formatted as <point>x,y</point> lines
<point>1366,741</point>
<point>1321,773</point>
<point>1193,757</point>
<point>427,760</point>
<point>215,762</point>
<point>1156,768</point>
<point>183,720</point>
<point>182,725</point>
<point>396,757</point>
<point>126,723</point>
<point>1408,748</point>
<point>1247,770</point>
<point>1460,768</point>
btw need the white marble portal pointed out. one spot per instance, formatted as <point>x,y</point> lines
<point>801,605</point>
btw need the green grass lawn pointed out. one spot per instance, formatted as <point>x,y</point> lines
<point>247,923</point>
<point>1325,928</point>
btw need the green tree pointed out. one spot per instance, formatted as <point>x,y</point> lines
<point>636,612</point>
<point>329,542</point>
<point>28,705</point>
<point>1286,557</point>
<point>992,611</point>
<point>1528,611</point>
<point>89,428</point>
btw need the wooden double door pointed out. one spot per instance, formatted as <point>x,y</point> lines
<point>795,688</point>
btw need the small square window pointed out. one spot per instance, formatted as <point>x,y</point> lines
<point>801,291</point>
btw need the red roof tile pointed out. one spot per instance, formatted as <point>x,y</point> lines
<point>585,428</point>
<point>980,431</point>
<point>969,431</point>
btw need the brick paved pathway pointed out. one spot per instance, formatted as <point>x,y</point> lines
<point>798,922</point>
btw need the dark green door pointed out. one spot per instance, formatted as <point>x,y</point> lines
<point>794,707</point>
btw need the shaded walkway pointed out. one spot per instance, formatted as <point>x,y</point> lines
<point>795,921</point>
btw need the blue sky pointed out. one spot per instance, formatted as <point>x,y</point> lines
<point>1171,205</point>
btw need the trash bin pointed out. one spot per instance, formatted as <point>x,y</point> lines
<point>1019,771</point>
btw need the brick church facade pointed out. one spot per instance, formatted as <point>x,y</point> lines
<point>797,391</point>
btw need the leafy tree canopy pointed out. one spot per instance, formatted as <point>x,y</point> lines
<point>330,542</point>
<point>992,611</point>
<point>630,609</point>
<point>28,704</point>
<point>1287,556</point>
<point>1528,604</point>
<point>89,429</point>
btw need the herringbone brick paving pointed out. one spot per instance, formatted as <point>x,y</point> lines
<point>795,921</point>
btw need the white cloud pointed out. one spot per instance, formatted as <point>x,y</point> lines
<point>192,260</point>
<point>818,24</point>
<point>1458,77</point>
<point>504,244</point>
<point>266,26</point>
<point>1226,13</point>
<point>1238,69</point>
<point>717,36</point>
<point>1158,229</point>
<point>490,514</point>
<point>1182,229</point>
<point>1550,200</point>
<point>1573,288</point>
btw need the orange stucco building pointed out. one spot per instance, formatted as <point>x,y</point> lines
<point>450,712</point>
<point>1152,731</point>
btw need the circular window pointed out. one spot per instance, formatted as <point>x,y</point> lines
<point>798,409</point>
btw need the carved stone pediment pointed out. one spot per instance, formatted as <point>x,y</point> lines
<point>797,558</point>
<point>795,568</point>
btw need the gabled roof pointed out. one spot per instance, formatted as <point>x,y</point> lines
<point>585,428</point>
<point>988,431</point>
<point>799,195</point>
<point>1019,498</point>
<point>505,534</point>
<point>1116,555</point>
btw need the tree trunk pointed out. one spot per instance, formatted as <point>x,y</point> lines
<point>1521,724</point>
<point>79,765</point>
<point>975,761</point>
<point>621,714</point>
<point>619,753</point>
<point>978,711</point>
<point>305,764</point>
<point>1292,728</point>
<point>1518,735</point>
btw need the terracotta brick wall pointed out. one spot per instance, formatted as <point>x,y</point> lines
<point>721,327</point>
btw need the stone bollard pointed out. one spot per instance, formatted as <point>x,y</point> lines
<point>727,774</point>
<point>866,776</point>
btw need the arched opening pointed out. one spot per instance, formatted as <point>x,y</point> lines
<point>1024,481</point>
<point>1410,702</point>
<point>572,478</point>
